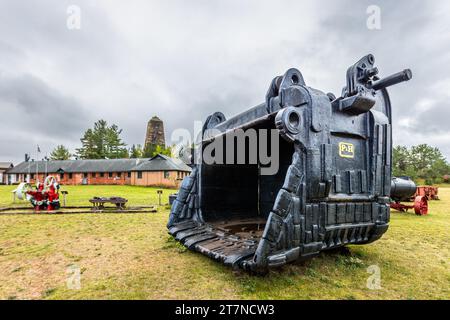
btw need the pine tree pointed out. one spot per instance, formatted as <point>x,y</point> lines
<point>167,151</point>
<point>149,150</point>
<point>102,142</point>
<point>60,153</point>
<point>136,151</point>
<point>152,150</point>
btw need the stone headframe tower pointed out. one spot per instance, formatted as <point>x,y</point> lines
<point>155,132</point>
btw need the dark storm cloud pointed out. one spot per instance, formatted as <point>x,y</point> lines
<point>416,35</point>
<point>185,60</point>
<point>36,114</point>
<point>38,107</point>
<point>47,74</point>
<point>435,120</point>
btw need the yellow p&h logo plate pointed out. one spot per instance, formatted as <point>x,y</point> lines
<point>346,150</point>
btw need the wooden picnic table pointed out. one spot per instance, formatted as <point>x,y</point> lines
<point>99,202</point>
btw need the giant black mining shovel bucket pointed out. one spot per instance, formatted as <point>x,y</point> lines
<point>327,183</point>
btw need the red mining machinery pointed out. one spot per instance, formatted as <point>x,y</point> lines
<point>45,196</point>
<point>428,191</point>
<point>404,189</point>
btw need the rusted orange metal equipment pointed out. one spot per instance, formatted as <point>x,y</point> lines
<point>404,189</point>
<point>430,192</point>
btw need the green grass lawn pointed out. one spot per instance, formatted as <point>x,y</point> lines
<point>131,256</point>
<point>80,195</point>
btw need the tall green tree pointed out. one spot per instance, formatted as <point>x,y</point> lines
<point>152,150</point>
<point>102,142</point>
<point>167,151</point>
<point>60,153</point>
<point>402,162</point>
<point>136,151</point>
<point>428,162</point>
<point>420,162</point>
<point>115,147</point>
<point>149,150</point>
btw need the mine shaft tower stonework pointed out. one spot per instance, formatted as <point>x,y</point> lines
<point>333,183</point>
<point>155,133</point>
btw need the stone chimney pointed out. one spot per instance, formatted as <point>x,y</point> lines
<point>155,132</point>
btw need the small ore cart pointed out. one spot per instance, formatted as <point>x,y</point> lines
<point>327,184</point>
<point>402,189</point>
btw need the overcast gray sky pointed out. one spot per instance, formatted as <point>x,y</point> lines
<point>183,60</point>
